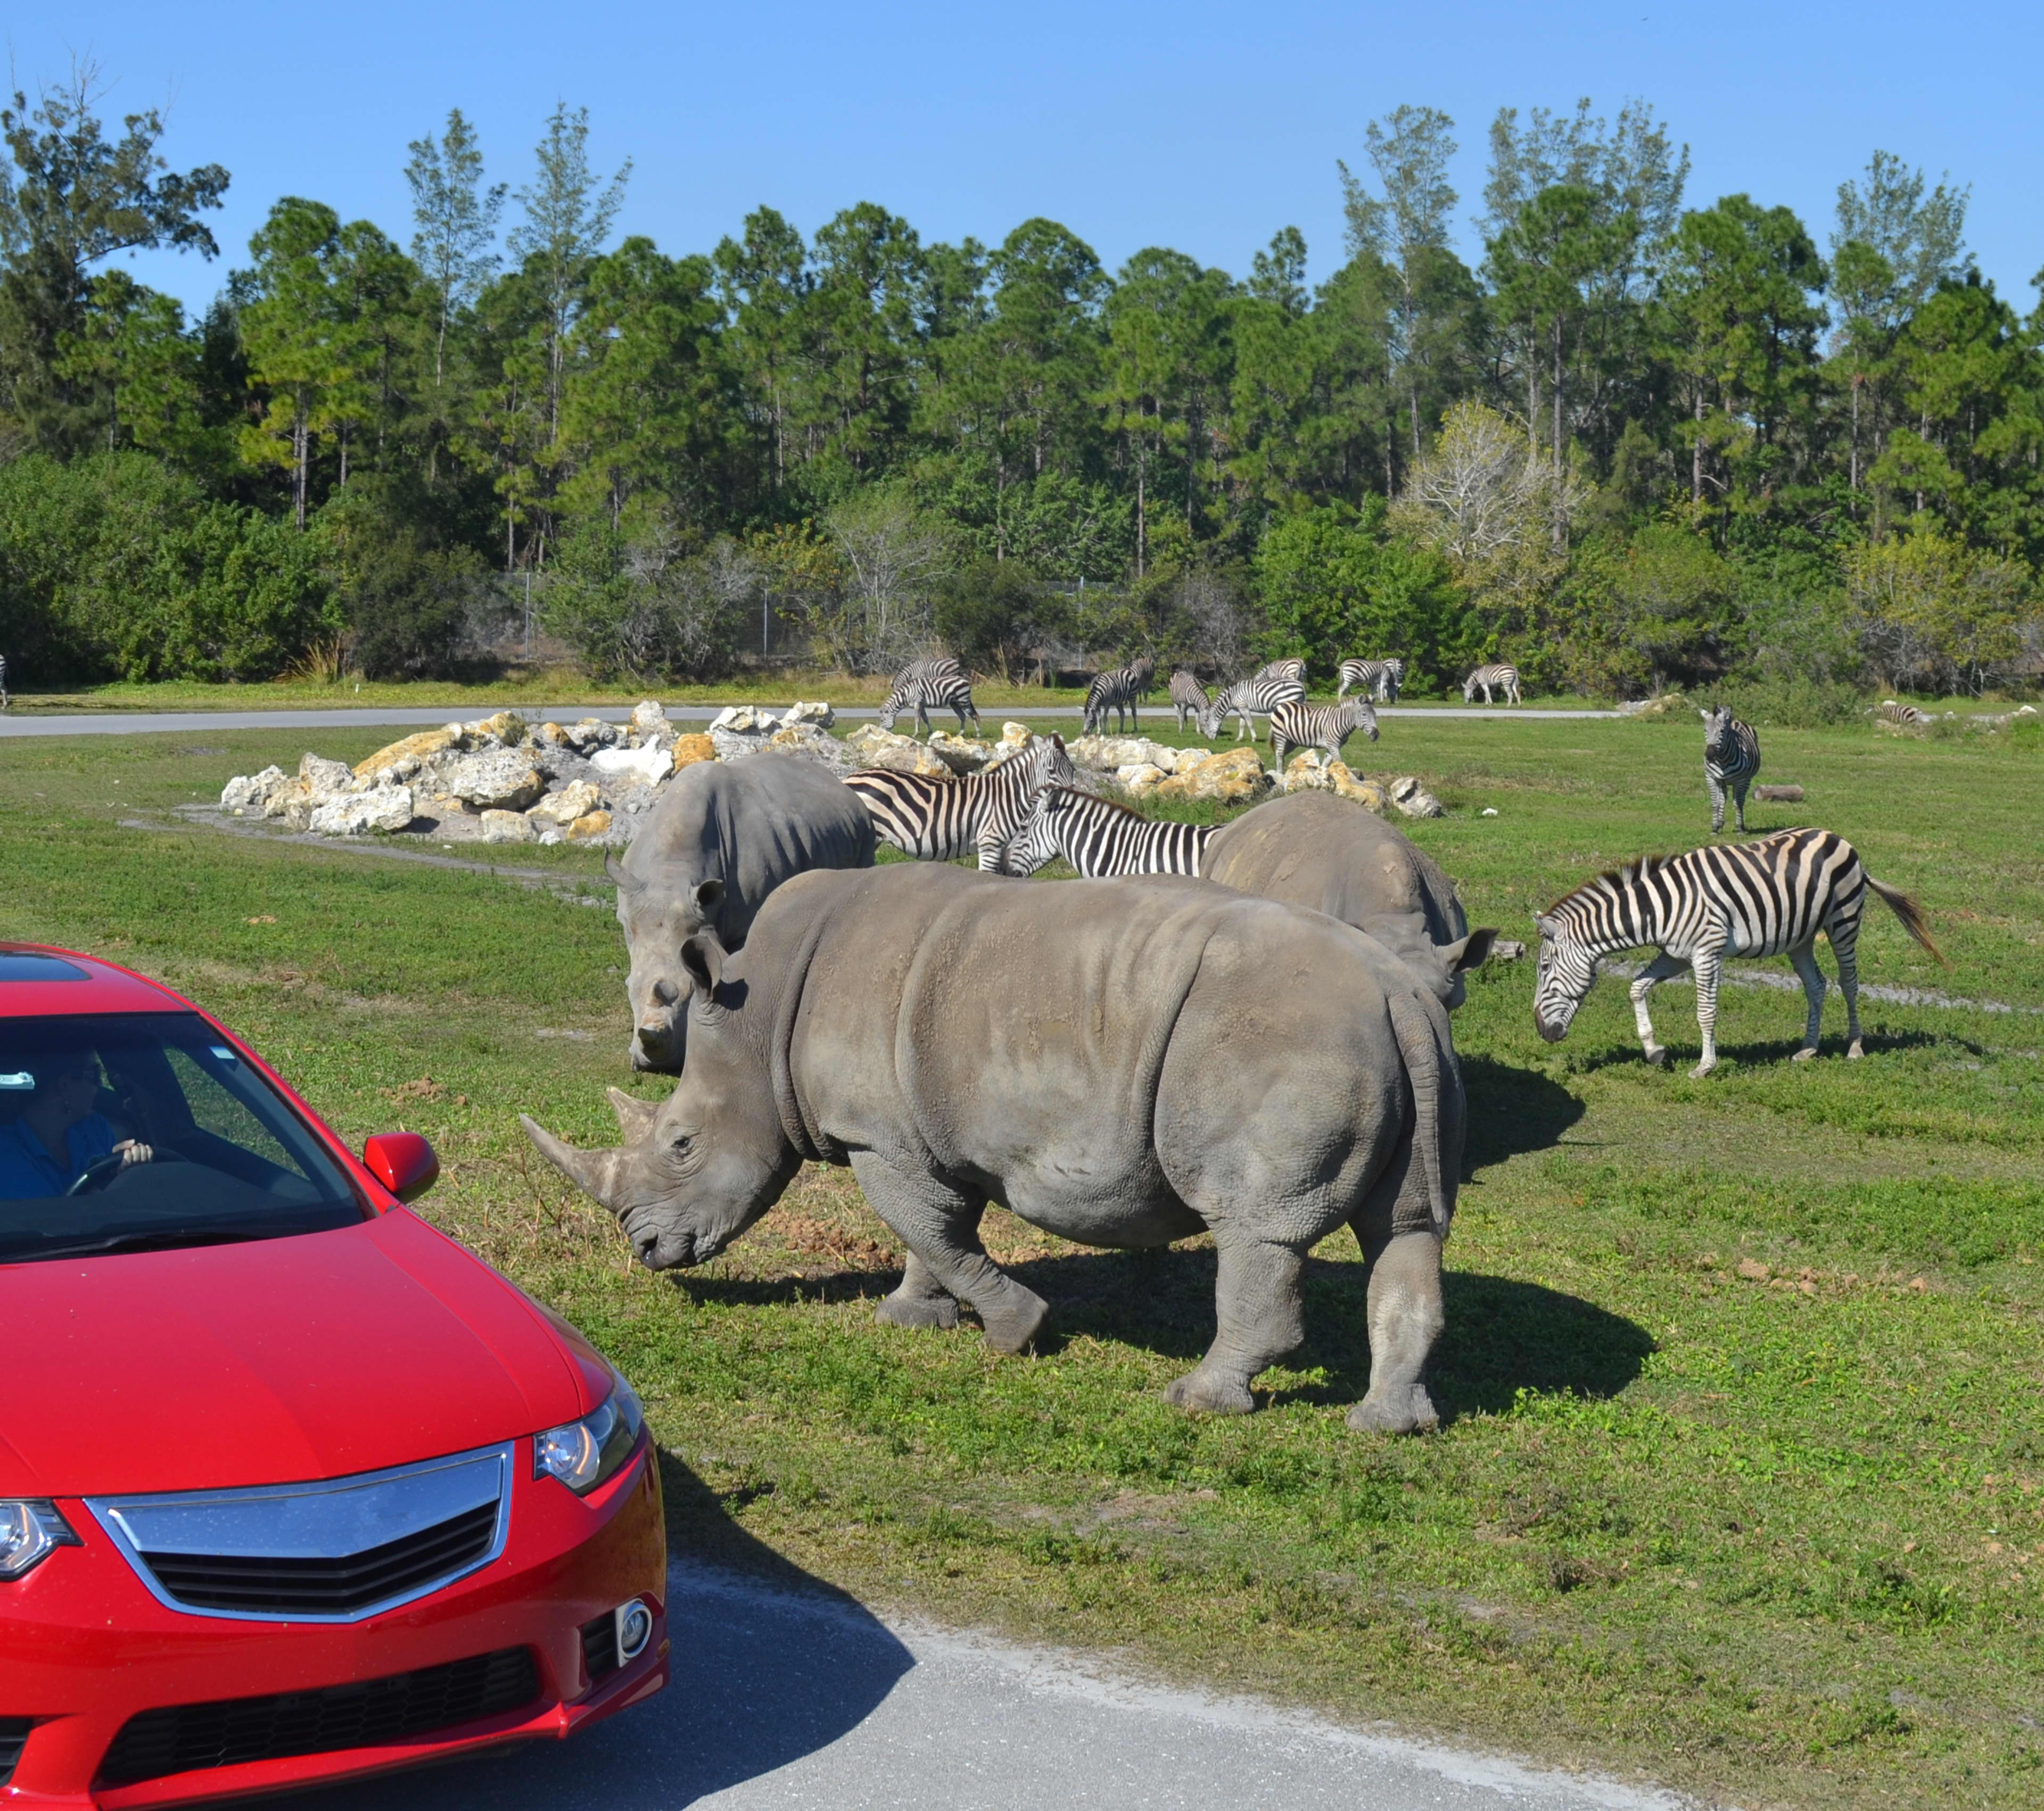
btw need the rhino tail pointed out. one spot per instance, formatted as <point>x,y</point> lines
<point>1438,1110</point>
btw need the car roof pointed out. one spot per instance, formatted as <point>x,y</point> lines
<point>38,981</point>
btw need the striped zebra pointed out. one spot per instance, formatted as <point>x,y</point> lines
<point>1319,726</point>
<point>938,684</point>
<point>1246,701</point>
<point>1732,757</point>
<point>1117,691</point>
<point>1380,678</point>
<point>1893,711</point>
<point>936,818</point>
<point>1101,838</point>
<point>1188,697</point>
<point>3,684</point>
<point>1767,898</point>
<point>1498,673</point>
<point>1294,670</point>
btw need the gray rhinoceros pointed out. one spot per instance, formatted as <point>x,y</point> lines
<point>1328,854</point>
<point>722,838</point>
<point>1122,1063</point>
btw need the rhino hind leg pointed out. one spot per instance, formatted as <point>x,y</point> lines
<point>1260,1318</point>
<point>1405,1318</point>
<point>921,1301</point>
<point>940,1226</point>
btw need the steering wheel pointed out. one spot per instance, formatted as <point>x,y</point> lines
<point>101,1171</point>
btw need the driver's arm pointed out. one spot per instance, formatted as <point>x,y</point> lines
<point>133,1151</point>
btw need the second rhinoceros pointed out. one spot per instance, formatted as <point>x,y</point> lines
<point>1122,1063</point>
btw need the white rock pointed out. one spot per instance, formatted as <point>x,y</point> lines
<point>649,714</point>
<point>745,720</point>
<point>1139,778</point>
<point>1490,811</point>
<point>1413,799</point>
<point>959,754</point>
<point>575,800</point>
<point>635,766</point>
<point>1106,753</point>
<point>248,794</point>
<point>591,732</point>
<point>509,826</point>
<point>320,779</point>
<point>354,814</point>
<point>498,779</point>
<point>819,714</point>
<point>1016,735</point>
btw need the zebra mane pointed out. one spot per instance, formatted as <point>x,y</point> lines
<point>1104,803</point>
<point>1629,874</point>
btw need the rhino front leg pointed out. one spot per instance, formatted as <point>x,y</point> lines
<point>921,1301</point>
<point>1405,1318</point>
<point>940,1226</point>
<point>1261,1317</point>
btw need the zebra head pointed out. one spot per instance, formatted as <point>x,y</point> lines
<point>1394,677</point>
<point>1214,713</point>
<point>1039,840</point>
<point>891,710</point>
<point>1469,688</point>
<point>1562,977</point>
<point>1717,727</point>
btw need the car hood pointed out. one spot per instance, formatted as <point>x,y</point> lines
<point>275,1362</point>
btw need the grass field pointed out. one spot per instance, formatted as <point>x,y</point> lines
<point>1770,1533</point>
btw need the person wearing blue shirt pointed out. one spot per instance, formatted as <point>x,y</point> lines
<point>48,1145</point>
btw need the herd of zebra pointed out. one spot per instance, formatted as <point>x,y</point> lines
<point>1775,896</point>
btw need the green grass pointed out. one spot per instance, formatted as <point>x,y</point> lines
<point>1770,1536</point>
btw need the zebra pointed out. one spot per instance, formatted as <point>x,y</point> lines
<point>1324,726</point>
<point>1504,677</point>
<point>1738,898</point>
<point>1294,670</point>
<point>1101,838</point>
<point>936,818</point>
<point>1117,691</point>
<point>923,684</point>
<point>1246,701</point>
<point>1732,757</point>
<point>1382,677</point>
<point>1908,714</point>
<point>3,684</point>
<point>1188,698</point>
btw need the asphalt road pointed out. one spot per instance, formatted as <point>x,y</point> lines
<point>191,723</point>
<point>812,1703</point>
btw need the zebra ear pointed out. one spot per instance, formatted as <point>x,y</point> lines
<point>1702,713</point>
<point>1545,925</point>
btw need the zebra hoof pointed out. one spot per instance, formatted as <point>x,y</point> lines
<point>1854,1052</point>
<point>1700,1071</point>
<point>1657,1054</point>
<point>1807,1055</point>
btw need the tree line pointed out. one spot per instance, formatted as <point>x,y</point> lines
<point>1637,444</point>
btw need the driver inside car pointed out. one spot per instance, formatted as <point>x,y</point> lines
<point>58,1133</point>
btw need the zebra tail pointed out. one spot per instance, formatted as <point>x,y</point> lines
<point>1911,915</point>
<point>1438,1112</point>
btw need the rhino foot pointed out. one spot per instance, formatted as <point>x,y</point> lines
<point>1012,1327</point>
<point>900,1311</point>
<point>1207,1393</point>
<point>1409,1410</point>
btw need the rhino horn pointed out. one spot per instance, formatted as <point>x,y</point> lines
<point>595,1173</point>
<point>635,1117</point>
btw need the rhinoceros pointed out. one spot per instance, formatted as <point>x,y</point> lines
<point>1328,854</point>
<point>1122,1063</point>
<point>722,838</point>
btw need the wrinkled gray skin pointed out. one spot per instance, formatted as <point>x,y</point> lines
<point>1122,1062</point>
<point>723,837</point>
<point>1328,854</point>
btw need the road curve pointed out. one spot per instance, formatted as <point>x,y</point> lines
<point>783,1702</point>
<point>192,723</point>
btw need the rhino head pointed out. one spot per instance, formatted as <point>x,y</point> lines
<point>696,1170</point>
<point>657,921</point>
<point>1438,967</point>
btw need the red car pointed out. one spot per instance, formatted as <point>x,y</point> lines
<point>292,1488</point>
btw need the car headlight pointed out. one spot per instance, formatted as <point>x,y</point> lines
<point>30,1532</point>
<point>583,1453</point>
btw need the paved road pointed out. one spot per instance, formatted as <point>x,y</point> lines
<point>782,1703</point>
<point>188,723</point>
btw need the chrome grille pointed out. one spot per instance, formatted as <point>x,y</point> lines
<point>335,1551</point>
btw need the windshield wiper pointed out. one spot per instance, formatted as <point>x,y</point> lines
<point>164,1239</point>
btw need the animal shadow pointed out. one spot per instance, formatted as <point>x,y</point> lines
<point>1512,1110</point>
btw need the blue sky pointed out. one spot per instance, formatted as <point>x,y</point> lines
<point>1192,124</point>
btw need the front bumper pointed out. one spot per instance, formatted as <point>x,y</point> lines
<point>84,1646</point>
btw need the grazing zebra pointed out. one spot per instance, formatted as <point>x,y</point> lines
<point>1101,839</point>
<point>1188,698</point>
<point>1294,670</point>
<point>1319,726</point>
<point>1738,898</point>
<point>1380,677</point>
<point>1732,757</point>
<point>923,685</point>
<point>1895,712</point>
<point>936,818</point>
<point>1498,673</point>
<point>1117,691</point>
<point>3,684</point>
<point>1246,701</point>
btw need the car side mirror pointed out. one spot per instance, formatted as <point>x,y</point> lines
<point>403,1162</point>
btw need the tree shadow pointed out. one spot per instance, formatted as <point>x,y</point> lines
<point>770,1665</point>
<point>1511,1110</point>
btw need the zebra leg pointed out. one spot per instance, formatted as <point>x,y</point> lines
<point>1738,794</point>
<point>921,1301</point>
<point>1664,967</point>
<point>1261,1317</point>
<point>1717,805</point>
<point>940,1225</point>
<point>1845,947</point>
<point>1804,962</point>
<point>1706,966</point>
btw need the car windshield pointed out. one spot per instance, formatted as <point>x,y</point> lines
<point>145,1130</point>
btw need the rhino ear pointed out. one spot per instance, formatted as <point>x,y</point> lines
<point>709,895</point>
<point>1471,951</point>
<point>703,957</point>
<point>614,873</point>
<point>635,1117</point>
